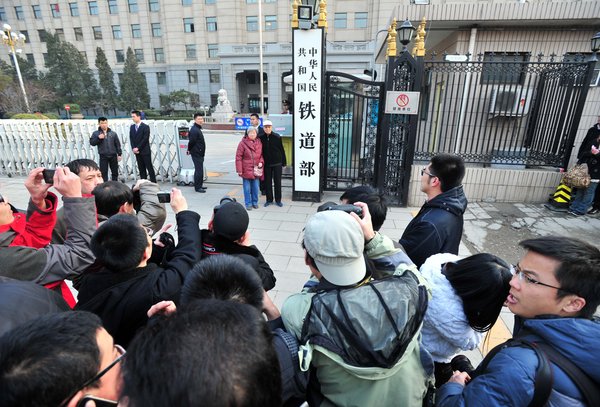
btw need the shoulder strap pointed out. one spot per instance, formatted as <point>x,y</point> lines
<point>589,390</point>
<point>543,375</point>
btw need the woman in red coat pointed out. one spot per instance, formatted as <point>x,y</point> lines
<point>249,165</point>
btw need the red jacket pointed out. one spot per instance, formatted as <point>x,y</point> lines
<point>34,232</point>
<point>249,154</point>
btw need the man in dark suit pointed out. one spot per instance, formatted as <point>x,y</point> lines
<point>197,149</point>
<point>139,137</point>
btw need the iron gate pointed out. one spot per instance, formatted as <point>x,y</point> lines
<point>354,111</point>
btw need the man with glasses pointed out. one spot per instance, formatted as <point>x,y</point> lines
<point>58,359</point>
<point>127,284</point>
<point>554,294</point>
<point>438,226</point>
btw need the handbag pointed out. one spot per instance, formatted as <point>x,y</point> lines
<point>577,176</point>
<point>256,170</point>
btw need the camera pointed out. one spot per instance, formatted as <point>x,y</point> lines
<point>223,201</point>
<point>164,197</point>
<point>332,206</point>
<point>48,176</point>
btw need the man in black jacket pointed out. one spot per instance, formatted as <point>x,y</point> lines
<point>127,286</point>
<point>227,233</point>
<point>109,149</point>
<point>275,160</point>
<point>139,137</point>
<point>438,226</point>
<point>197,149</point>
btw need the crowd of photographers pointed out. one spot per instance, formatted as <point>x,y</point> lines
<point>187,320</point>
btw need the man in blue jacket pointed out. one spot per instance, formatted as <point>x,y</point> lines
<point>139,137</point>
<point>554,292</point>
<point>438,226</point>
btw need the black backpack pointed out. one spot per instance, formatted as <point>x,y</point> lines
<point>544,378</point>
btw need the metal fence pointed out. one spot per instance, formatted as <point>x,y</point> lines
<point>502,109</point>
<point>27,144</point>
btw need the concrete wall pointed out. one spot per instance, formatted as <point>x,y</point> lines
<point>495,185</point>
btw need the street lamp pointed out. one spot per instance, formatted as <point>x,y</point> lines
<point>12,39</point>
<point>405,33</point>
<point>595,42</point>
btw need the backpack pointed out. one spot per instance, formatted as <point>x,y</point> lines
<point>544,378</point>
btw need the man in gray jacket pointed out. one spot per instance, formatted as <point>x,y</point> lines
<point>109,149</point>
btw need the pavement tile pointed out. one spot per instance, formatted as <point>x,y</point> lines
<point>280,248</point>
<point>292,226</point>
<point>277,262</point>
<point>275,235</point>
<point>265,223</point>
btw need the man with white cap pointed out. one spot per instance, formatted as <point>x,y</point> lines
<point>274,156</point>
<point>359,334</point>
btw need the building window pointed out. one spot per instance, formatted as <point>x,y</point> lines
<point>188,25</point>
<point>192,76</point>
<point>120,55</point>
<point>161,78</point>
<point>214,75</point>
<point>159,55</point>
<point>30,59</point>
<point>503,73</point>
<point>93,8</point>
<point>116,31</point>
<point>83,54</point>
<point>340,20</point>
<point>139,55</point>
<point>60,33</point>
<point>78,33</point>
<point>74,8</point>
<point>251,1</point>
<point>136,31</point>
<point>190,51</point>
<point>37,12</point>
<point>97,32</point>
<point>360,20</point>
<point>213,50</point>
<point>209,1</point>
<point>153,5</point>
<point>133,6</point>
<point>251,23</point>
<point>55,10</point>
<point>270,23</point>
<point>2,14</point>
<point>113,7</point>
<point>579,57</point>
<point>43,34</point>
<point>211,23</point>
<point>45,56</point>
<point>186,2</point>
<point>19,13</point>
<point>156,31</point>
<point>26,34</point>
<point>275,1</point>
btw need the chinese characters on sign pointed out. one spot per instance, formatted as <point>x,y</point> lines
<point>308,67</point>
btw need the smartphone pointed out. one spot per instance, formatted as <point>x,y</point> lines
<point>48,176</point>
<point>164,197</point>
<point>99,402</point>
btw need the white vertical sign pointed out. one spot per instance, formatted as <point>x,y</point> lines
<point>308,68</point>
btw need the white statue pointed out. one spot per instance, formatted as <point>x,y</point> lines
<point>223,111</point>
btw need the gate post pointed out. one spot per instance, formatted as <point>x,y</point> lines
<point>399,128</point>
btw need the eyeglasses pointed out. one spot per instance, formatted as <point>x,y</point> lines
<point>423,172</point>
<point>122,352</point>
<point>524,276</point>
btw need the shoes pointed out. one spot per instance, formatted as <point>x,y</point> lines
<point>573,213</point>
<point>255,206</point>
<point>279,204</point>
<point>593,211</point>
<point>248,208</point>
<point>462,364</point>
<point>201,190</point>
<point>268,203</point>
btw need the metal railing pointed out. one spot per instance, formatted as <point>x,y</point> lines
<point>502,109</point>
<point>27,144</point>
